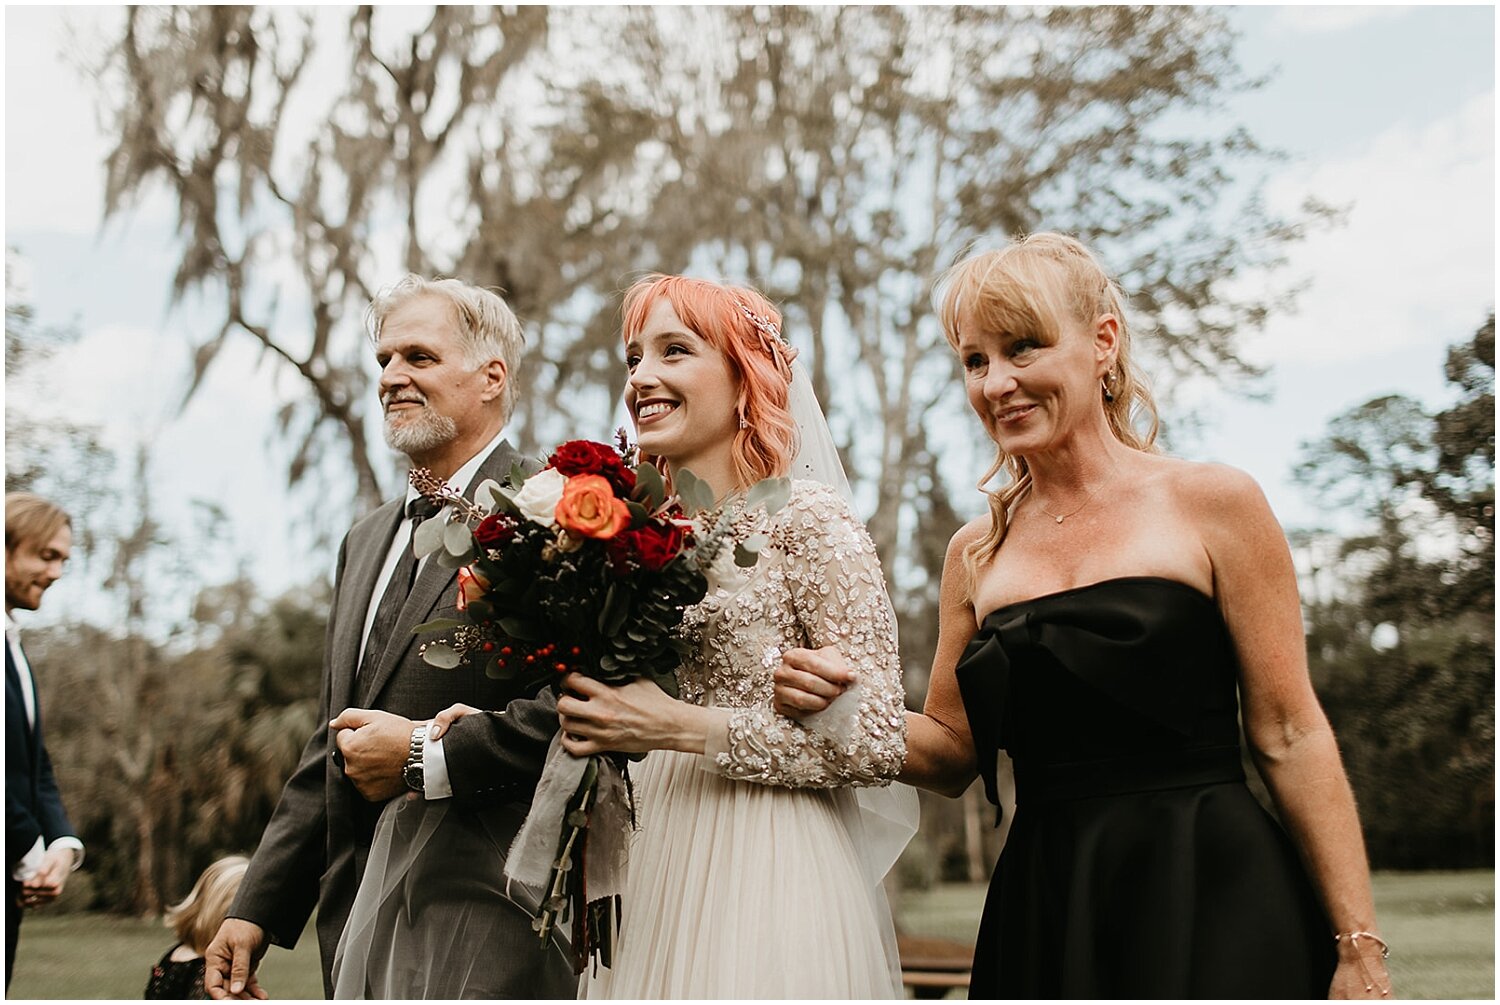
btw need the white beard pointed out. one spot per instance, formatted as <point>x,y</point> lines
<point>419,433</point>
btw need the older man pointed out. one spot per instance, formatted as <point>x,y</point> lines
<point>447,352</point>
<point>41,847</point>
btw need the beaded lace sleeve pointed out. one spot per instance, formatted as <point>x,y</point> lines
<point>834,594</point>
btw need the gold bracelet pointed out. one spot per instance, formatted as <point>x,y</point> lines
<point>1385,954</point>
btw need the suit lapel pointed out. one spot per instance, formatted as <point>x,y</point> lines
<point>433,581</point>
<point>14,699</point>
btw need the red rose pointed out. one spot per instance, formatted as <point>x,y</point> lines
<point>585,457</point>
<point>493,531</point>
<point>650,547</point>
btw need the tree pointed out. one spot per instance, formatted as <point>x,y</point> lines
<point>1462,483</point>
<point>839,157</point>
<point>1415,715</point>
<point>169,759</point>
<point>1369,463</point>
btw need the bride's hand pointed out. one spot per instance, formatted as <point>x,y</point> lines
<point>808,680</point>
<point>447,717</point>
<point>629,719</point>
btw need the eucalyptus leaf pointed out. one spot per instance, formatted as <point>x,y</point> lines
<point>487,495</point>
<point>440,655</point>
<point>458,538</point>
<point>649,487</point>
<point>448,560</point>
<point>692,490</point>
<point>428,537</point>
<point>773,493</point>
<point>638,513</point>
<point>747,552</point>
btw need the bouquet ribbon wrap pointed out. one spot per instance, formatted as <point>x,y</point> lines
<point>574,846</point>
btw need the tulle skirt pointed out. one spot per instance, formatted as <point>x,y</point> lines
<point>739,890</point>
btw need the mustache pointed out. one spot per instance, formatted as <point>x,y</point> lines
<point>395,397</point>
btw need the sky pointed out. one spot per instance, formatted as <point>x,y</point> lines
<point>1387,111</point>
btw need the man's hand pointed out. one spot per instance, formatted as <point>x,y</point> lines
<point>46,884</point>
<point>374,746</point>
<point>230,960</point>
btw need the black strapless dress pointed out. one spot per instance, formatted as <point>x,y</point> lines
<point>1138,864</point>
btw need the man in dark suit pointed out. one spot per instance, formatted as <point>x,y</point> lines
<point>39,841</point>
<point>446,352</point>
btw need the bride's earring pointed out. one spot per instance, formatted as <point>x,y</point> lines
<point>1109,396</point>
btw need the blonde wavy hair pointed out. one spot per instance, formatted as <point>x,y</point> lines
<point>1028,289</point>
<point>198,916</point>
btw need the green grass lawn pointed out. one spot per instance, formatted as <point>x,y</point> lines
<point>1441,925</point>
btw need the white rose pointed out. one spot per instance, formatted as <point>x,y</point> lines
<point>540,495</point>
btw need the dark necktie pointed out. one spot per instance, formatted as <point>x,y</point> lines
<point>394,597</point>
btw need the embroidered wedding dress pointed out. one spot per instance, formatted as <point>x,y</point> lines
<point>754,873</point>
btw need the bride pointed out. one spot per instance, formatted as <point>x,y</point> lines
<point>756,871</point>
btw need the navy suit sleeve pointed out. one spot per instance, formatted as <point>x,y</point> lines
<point>21,826</point>
<point>54,819</point>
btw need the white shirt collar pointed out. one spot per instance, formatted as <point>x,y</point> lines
<point>464,475</point>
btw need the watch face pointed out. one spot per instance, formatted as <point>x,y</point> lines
<point>411,774</point>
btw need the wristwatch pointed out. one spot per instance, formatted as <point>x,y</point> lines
<point>412,774</point>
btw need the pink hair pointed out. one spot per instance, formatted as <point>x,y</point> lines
<point>766,442</point>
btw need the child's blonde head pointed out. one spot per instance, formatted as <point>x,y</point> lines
<point>198,917</point>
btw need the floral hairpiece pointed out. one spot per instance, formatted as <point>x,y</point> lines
<point>763,325</point>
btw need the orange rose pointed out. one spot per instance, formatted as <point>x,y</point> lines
<point>471,586</point>
<point>588,508</point>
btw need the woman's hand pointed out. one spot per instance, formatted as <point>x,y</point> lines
<point>808,680</point>
<point>1361,971</point>
<point>630,719</point>
<point>447,717</point>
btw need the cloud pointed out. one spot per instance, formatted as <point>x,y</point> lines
<point>54,151</point>
<point>1311,19</point>
<point>1415,263</point>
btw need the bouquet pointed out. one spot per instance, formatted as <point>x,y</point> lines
<point>586,566</point>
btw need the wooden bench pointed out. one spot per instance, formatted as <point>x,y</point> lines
<point>932,967</point>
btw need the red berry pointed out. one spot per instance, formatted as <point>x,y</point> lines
<point>505,650</point>
<point>489,647</point>
<point>530,658</point>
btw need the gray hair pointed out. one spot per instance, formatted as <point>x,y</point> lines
<point>488,328</point>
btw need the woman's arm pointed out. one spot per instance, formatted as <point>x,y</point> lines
<point>837,592</point>
<point>1290,739</point>
<point>939,749</point>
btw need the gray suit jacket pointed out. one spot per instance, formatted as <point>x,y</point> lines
<point>313,851</point>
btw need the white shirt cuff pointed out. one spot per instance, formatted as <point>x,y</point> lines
<point>435,784</point>
<point>76,846</point>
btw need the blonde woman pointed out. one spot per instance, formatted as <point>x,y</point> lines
<point>1102,633</point>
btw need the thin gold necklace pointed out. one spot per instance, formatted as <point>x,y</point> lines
<point>1079,508</point>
